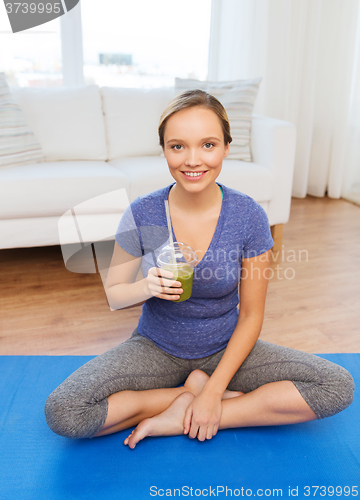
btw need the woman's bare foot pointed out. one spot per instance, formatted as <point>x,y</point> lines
<point>196,381</point>
<point>167,423</point>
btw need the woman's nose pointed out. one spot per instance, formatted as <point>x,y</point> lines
<point>192,158</point>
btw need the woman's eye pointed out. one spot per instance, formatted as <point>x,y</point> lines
<point>208,145</point>
<point>177,147</point>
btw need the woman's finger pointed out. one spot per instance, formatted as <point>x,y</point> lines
<point>194,428</point>
<point>202,433</point>
<point>187,419</point>
<point>169,294</point>
<point>156,271</point>
<point>164,282</point>
<point>171,290</point>
<point>167,297</point>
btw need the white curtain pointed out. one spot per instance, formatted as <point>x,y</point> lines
<point>307,52</point>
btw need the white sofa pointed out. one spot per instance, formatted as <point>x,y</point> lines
<point>101,151</point>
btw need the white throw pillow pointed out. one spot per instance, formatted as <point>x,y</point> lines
<point>132,119</point>
<point>67,121</point>
<point>238,98</point>
<point>18,144</point>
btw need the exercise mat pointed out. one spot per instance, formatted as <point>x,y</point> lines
<point>318,459</point>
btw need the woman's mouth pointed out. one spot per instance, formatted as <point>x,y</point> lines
<point>194,176</point>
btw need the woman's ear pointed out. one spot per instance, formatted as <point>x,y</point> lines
<point>227,149</point>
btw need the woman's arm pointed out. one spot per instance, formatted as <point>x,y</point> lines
<point>202,417</point>
<point>123,291</point>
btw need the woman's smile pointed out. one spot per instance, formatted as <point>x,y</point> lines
<point>194,176</point>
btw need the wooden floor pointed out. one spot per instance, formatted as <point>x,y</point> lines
<point>313,301</point>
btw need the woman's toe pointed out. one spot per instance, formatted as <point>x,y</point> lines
<point>127,439</point>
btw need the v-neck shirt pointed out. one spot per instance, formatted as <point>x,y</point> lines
<point>203,324</point>
<point>217,227</point>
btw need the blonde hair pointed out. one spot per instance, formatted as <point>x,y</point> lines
<point>189,99</point>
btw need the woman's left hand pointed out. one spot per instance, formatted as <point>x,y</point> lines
<point>202,417</point>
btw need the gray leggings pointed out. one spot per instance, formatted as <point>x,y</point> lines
<point>78,407</point>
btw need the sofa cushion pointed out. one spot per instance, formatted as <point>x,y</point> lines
<point>67,121</point>
<point>52,188</point>
<point>43,231</point>
<point>145,173</point>
<point>149,173</point>
<point>238,98</point>
<point>132,119</point>
<point>250,178</point>
<point>18,145</point>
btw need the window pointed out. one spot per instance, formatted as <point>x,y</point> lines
<point>137,43</point>
<point>142,43</point>
<point>31,57</point>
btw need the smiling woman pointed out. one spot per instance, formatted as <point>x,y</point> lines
<point>207,343</point>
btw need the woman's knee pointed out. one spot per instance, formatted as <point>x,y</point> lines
<point>70,417</point>
<point>344,390</point>
<point>338,391</point>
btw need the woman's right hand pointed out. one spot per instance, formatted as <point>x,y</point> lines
<point>161,284</point>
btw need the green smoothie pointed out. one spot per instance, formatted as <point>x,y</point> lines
<point>185,276</point>
<point>180,259</point>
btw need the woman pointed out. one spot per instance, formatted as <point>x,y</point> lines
<point>208,344</point>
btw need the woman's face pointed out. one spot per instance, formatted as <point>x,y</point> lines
<point>194,147</point>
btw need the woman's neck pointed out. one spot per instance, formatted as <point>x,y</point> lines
<point>195,202</point>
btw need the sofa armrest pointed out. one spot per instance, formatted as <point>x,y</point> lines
<point>273,145</point>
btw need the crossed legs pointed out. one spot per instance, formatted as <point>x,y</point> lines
<point>128,408</point>
<point>162,411</point>
<point>137,384</point>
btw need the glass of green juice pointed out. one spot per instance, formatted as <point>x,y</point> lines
<point>180,259</point>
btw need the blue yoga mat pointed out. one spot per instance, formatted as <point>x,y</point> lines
<point>311,460</point>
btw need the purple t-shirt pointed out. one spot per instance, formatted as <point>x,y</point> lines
<point>203,324</point>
